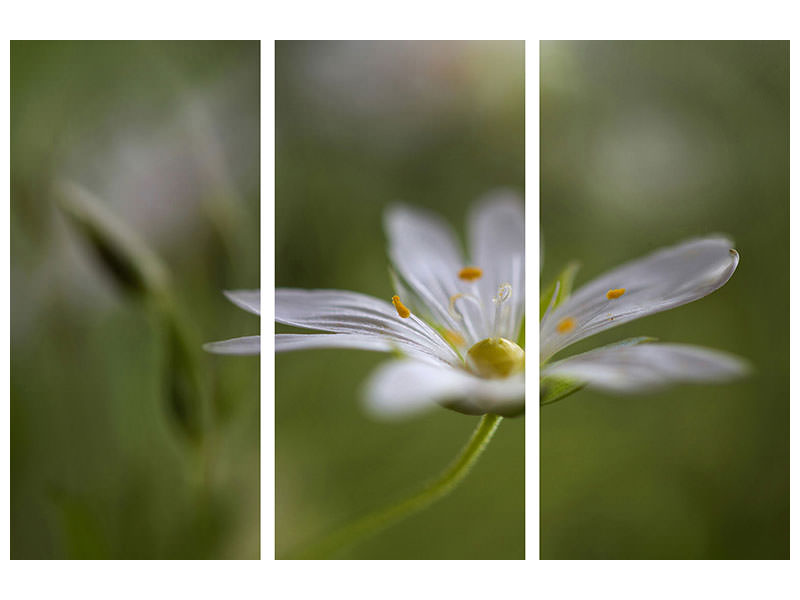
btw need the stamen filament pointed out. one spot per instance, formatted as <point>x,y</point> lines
<point>459,316</point>
<point>455,298</point>
<point>503,294</point>
<point>455,338</point>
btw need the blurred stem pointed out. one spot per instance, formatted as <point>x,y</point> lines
<point>142,274</point>
<point>190,401</point>
<point>381,519</point>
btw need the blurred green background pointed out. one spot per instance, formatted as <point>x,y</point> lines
<point>360,125</point>
<point>167,136</point>
<point>644,144</point>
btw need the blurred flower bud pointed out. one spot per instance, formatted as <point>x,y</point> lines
<point>122,253</point>
<point>140,271</point>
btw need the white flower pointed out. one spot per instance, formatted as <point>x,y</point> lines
<point>456,322</point>
<point>659,281</point>
<point>249,300</point>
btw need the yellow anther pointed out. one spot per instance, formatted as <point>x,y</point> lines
<point>613,294</point>
<point>401,308</point>
<point>565,325</point>
<point>455,338</point>
<point>470,273</point>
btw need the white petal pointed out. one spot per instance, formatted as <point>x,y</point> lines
<point>426,255</point>
<point>243,345</point>
<point>497,244</point>
<point>630,369</point>
<point>352,313</point>
<point>249,300</point>
<point>659,281</point>
<point>399,388</point>
<point>288,342</point>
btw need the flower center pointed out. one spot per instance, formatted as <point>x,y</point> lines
<point>496,357</point>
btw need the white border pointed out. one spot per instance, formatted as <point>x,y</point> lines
<point>794,306</point>
<point>617,579</point>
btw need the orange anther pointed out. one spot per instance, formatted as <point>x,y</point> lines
<point>401,308</point>
<point>470,273</point>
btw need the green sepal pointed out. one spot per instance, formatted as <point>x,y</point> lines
<point>565,280</point>
<point>553,389</point>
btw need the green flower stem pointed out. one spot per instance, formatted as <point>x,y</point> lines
<point>381,519</point>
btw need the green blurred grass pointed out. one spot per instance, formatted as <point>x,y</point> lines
<point>644,144</point>
<point>360,125</point>
<point>98,469</point>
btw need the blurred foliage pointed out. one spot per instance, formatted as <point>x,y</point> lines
<point>360,125</point>
<point>644,144</point>
<point>127,441</point>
